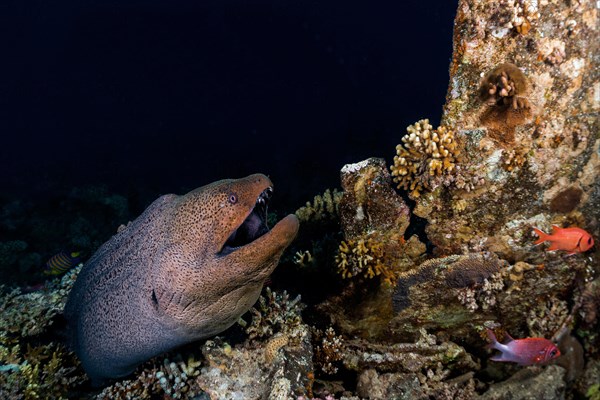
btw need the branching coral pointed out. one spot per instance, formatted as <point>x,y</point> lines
<point>328,352</point>
<point>41,370</point>
<point>513,159</point>
<point>524,12</point>
<point>481,295</point>
<point>45,371</point>
<point>172,378</point>
<point>323,207</point>
<point>424,153</point>
<point>363,257</point>
<point>303,258</point>
<point>176,378</point>
<point>273,313</point>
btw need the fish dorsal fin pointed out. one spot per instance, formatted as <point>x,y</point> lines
<point>555,228</point>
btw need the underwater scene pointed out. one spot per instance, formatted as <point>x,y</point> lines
<point>300,200</point>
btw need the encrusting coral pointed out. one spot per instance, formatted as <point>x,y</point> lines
<point>425,152</point>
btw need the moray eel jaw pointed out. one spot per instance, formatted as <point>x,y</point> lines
<point>253,227</point>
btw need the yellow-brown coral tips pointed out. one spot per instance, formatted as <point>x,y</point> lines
<point>504,86</point>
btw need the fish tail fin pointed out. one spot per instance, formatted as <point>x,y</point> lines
<point>542,236</point>
<point>492,338</point>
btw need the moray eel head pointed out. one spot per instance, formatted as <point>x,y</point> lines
<point>222,229</point>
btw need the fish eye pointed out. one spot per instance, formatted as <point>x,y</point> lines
<point>552,353</point>
<point>232,198</point>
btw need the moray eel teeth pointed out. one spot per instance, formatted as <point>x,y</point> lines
<point>184,270</point>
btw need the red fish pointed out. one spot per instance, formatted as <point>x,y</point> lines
<point>573,240</point>
<point>527,351</point>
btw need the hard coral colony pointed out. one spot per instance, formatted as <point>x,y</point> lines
<point>425,152</point>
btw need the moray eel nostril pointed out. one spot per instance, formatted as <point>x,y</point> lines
<point>186,269</point>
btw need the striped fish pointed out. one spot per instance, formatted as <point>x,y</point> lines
<point>62,262</point>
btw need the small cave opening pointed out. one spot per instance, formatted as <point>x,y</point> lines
<point>417,224</point>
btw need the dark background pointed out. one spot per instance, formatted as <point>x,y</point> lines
<point>152,97</point>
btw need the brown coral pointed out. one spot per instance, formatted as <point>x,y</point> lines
<point>504,86</point>
<point>329,351</point>
<point>504,89</point>
<point>567,200</point>
<point>425,153</point>
<point>591,302</point>
<point>362,257</point>
<point>513,159</point>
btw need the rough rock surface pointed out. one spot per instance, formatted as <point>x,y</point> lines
<point>530,384</point>
<point>369,202</point>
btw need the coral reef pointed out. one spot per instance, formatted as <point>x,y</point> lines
<point>392,314</point>
<point>242,372</point>
<point>363,257</point>
<point>530,383</point>
<point>173,378</point>
<point>328,351</point>
<point>470,285</point>
<point>274,313</point>
<point>425,152</point>
<point>32,367</point>
<point>323,207</point>
<point>369,202</point>
<point>46,371</point>
<point>30,314</point>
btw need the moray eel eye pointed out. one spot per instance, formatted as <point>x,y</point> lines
<point>232,198</point>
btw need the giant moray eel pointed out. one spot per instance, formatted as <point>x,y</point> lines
<point>186,269</point>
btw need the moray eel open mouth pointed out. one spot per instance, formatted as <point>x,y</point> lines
<point>253,227</point>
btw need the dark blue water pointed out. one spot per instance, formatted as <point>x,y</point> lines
<point>157,97</point>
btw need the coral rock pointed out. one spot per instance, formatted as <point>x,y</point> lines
<point>369,202</point>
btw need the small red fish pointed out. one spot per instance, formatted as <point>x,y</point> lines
<point>573,240</point>
<point>527,351</point>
